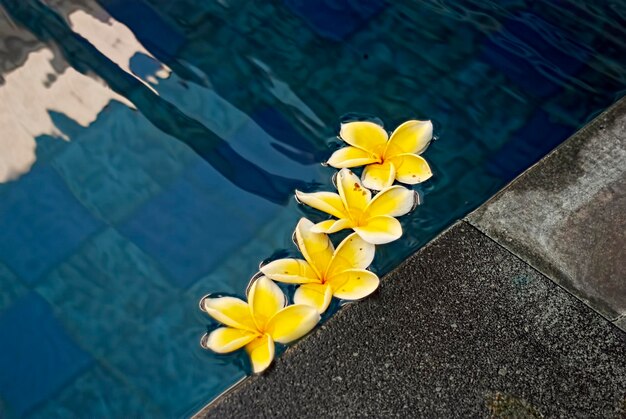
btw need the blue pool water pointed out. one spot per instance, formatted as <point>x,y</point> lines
<point>150,149</point>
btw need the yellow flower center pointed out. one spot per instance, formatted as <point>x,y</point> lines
<point>357,216</point>
<point>379,152</point>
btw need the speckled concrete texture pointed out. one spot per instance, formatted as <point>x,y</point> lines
<point>567,215</point>
<point>461,329</point>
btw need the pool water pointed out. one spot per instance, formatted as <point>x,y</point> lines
<point>149,150</point>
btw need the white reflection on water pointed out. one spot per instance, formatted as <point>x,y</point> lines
<point>28,95</point>
<point>38,86</point>
<point>114,40</point>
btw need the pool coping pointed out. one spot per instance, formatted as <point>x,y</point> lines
<point>564,196</point>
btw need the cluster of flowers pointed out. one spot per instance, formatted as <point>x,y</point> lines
<point>326,272</point>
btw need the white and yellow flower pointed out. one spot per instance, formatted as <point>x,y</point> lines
<point>385,160</point>
<point>257,324</point>
<point>372,219</point>
<point>325,271</point>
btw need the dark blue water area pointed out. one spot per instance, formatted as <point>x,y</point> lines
<point>180,180</point>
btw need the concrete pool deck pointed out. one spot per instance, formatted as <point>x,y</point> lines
<point>516,311</point>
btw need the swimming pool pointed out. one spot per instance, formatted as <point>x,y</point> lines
<point>151,150</point>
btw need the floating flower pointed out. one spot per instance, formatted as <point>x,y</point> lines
<point>372,219</point>
<point>385,160</point>
<point>326,271</point>
<point>257,324</point>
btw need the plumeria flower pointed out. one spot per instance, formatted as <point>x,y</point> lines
<point>385,161</point>
<point>325,271</point>
<point>257,324</point>
<point>371,218</point>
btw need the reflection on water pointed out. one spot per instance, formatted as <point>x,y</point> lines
<point>36,81</point>
<point>149,151</point>
<point>111,38</point>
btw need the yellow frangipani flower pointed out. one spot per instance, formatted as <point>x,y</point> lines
<point>326,271</point>
<point>257,324</point>
<point>372,219</point>
<point>385,160</point>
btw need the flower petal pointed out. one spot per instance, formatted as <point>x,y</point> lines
<point>394,201</point>
<point>354,284</point>
<point>365,135</point>
<point>411,168</point>
<point>314,295</point>
<point>230,311</point>
<point>316,248</point>
<point>379,176</point>
<point>410,137</point>
<point>261,353</point>
<point>352,253</point>
<point>265,299</point>
<point>327,202</point>
<point>292,323</point>
<point>331,226</point>
<point>226,339</point>
<point>290,271</point>
<point>351,157</point>
<point>354,196</point>
<point>380,230</point>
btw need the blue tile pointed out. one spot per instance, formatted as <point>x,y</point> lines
<point>152,362</point>
<point>160,155</point>
<point>12,288</point>
<point>192,225</point>
<point>293,143</point>
<point>106,292</point>
<point>335,20</point>
<point>275,239</point>
<point>263,151</point>
<point>119,161</point>
<point>37,357</point>
<point>538,65</point>
<point>144,66</point>
<point>538,136</point>
<point>4,409</point>
<point>48,146</point>
<point>98,393</point>
<point>105,176</point>
<point>41,223</point>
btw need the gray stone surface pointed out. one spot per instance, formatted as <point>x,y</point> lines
<point>621,322</point>
<point>567,215</point>
<point>461,329</point>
